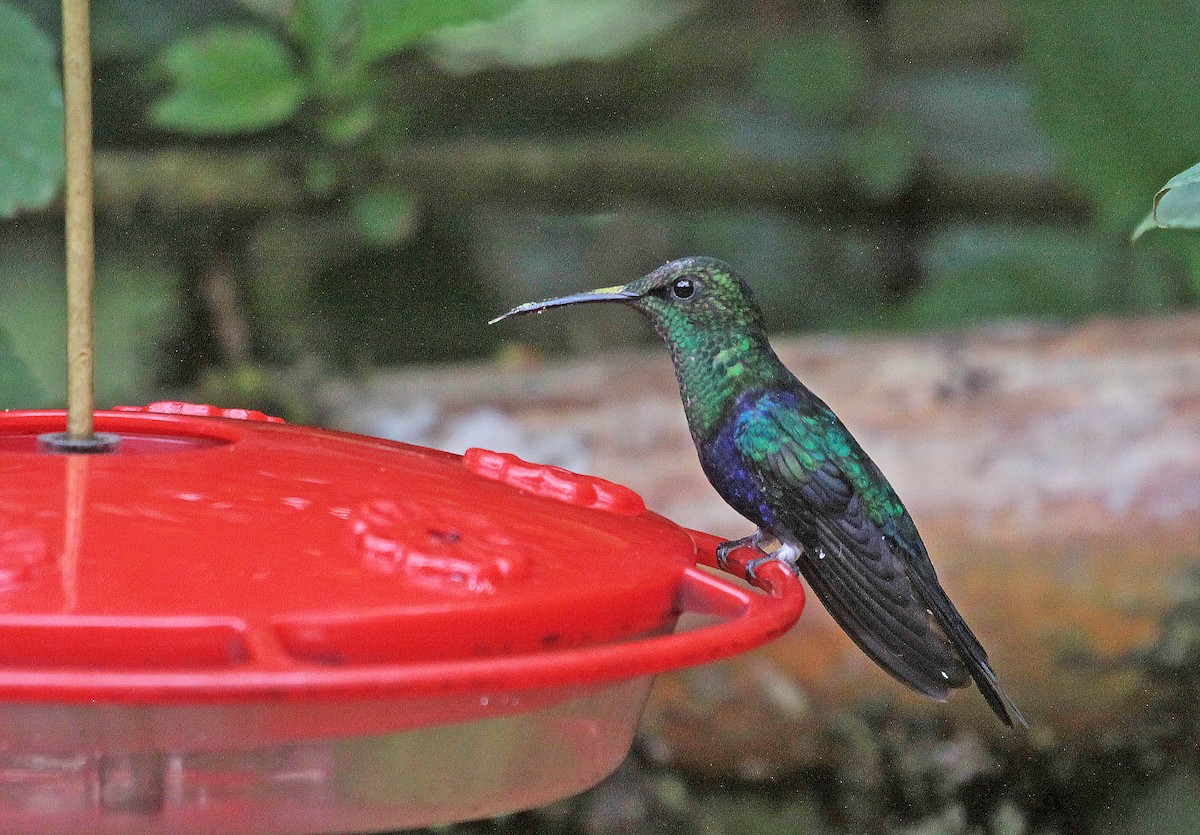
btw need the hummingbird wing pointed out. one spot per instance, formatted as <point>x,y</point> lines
<point>863,556</point>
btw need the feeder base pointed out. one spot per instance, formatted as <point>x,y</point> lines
<point>420,777</point>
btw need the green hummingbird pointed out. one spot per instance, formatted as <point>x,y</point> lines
<point>779,456</point>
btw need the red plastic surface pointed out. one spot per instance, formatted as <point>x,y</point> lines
<point>554,482</point>
<point>228,560</point>
<point>178,407</point>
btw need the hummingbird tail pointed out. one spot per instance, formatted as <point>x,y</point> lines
<point>995,695</point>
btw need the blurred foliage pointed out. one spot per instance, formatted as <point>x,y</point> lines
<point>815,74</point>
<point>391,26</point>
<point>31,157</point>
<point>31,120</point>
<point>977,273</point>
<point>319,66</point>
<point>400,301</point>
<point>364,262</point>
<point>883,158</point>
<point>820,78</point>
<point>229,80</point>
<point>1114,84</point>
<point>18,388</point>
<point>1111,81</point>
<point>1171,807</point>
<point>136,306</point>
<point>540,33</point>
<point>134,29</point>
<point>313,62</point>
<point>384,216</point>
<point>232,80</point>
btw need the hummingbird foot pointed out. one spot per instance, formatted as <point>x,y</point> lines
<point>786,553</point>
<point>726,548</point>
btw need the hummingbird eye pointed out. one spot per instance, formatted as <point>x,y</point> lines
<point>683,288</point>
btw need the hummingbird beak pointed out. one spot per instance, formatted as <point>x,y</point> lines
<point>604,294</point>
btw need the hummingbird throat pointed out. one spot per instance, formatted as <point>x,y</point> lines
<point>713,374</point>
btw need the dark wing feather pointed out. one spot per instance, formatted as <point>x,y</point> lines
<point>873,576</point>
<point>952,623</point>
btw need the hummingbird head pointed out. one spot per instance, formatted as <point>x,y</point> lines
<point>715,332</point>
<point>685,297</point>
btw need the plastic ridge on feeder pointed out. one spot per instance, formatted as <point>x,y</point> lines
<point>239,625</point>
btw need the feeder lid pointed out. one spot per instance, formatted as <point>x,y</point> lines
<point>217,559</point>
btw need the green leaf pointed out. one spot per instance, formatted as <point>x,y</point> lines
<point>18,388</point>
<point>540,33</point>
<point>1114,87</point>
<point>1147,223</point>
<point>391,26</point>
<point>1177,204</point>
<point>322,24</point>
<point>330,31</point>
<point>31,115</point>
<point>229,81</point>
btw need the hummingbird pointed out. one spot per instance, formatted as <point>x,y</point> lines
<point>778,455</point>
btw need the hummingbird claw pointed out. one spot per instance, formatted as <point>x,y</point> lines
<point>727,548</point>
<point>752,568</point>
<point>787,554</point>
<point>723,554</point>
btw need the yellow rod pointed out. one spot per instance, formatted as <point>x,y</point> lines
<point>77,98</point>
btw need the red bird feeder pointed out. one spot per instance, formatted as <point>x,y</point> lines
<point>243,626</point>
<point>212,622</point>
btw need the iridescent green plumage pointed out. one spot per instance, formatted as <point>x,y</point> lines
<point>783,459</point>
